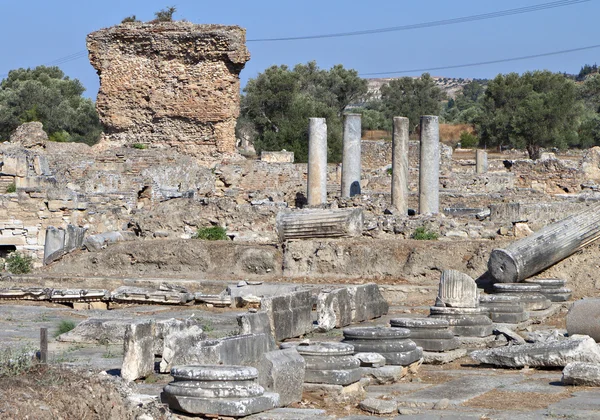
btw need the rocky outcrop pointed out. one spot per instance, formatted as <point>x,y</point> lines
<point>172,84</point>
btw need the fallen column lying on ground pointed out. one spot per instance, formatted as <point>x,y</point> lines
<point>553,243</point>
<point>320,224</point>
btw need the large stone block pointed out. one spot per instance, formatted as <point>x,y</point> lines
<point>282,372</point>
<point>54,246</point>
<point>581,373</point>
<point>255,323</point>
<point>138,350</point>
<point>584,318</point>
<point>543,354</point>
<point>244,350</point>
<point>334,309</point>
<point>177,347</point>
<point>367,302</point>
<point>73,238</point>
<point>164,327</point>
<point>290,314</point>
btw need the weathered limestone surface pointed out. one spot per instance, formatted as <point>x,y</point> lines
<point>317,162</point>
<point>30,135</point>
<point>391,343</point>
<point>581,373</point>
<point>429,166</point>
<point>367,302</point>
<point>240,349</point>
<point>290,315</point>
<point>548,354</point>
<point>314,223</point>
<point>334,309</point>
<point>584,318</point>
<point>351,168</point>
<point>457,290</point>
<point>530,255</point>
<point>282,372</point>
<point>330,363</point>
<point>400,167</point>
<point>177,345</point>
<point>217,390</point>
<point>173,84</point>
<point>138,357</point>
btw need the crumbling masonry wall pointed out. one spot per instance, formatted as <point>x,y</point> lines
<point>173,84</point>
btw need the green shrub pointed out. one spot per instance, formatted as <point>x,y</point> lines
<point>11,188</point>
<point>424,234</point>
<point>140,146</point>
<point>468,140</point>
<point>165,15</point>
<point>60,137</point>
<point>213,233</point>
<point>15,362</point>
<point>130,19</point>
<point>18,263</point>
<point>64,327</point>
<point>389,171</point>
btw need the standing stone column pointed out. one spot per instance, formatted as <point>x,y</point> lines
<point>351,156</point>
<point>400,165</point>
<point>429,166</point>
<point>481,161</point>
<point>317,162</point>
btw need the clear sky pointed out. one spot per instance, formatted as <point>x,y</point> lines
<point>41,31</point>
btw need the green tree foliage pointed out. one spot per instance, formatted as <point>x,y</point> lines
<point>45,94</point>
<point>589,93</point>
<point>165,15</point>
<point>467,106</point>
<point>586,70</point>
<point>279,102</point>
<point>537,109</point>
<point>412,98</point>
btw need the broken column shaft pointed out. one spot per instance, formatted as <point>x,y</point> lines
<point>429,166</point>
<point>317,162</point>
<point>400,165</point>
<point>481,161</point>
<point>351,156</point>
<point>536,252</point>
<point>314,223</point>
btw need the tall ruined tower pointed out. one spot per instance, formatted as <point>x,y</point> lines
<point>172,84</point>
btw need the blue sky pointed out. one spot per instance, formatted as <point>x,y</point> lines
<point>38,32</point>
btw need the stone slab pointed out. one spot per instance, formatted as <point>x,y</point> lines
<point>291,414</point>
<point>377,406</point>
<point>441,358</point>
<point>456,391</point>
<point>385,374</point>
<point>545,354</point>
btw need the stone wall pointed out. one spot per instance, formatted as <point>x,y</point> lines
<point>378,153</point>
<point>172,84</point>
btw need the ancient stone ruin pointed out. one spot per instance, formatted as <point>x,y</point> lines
<point>334,291</point>
<point>171,84</point>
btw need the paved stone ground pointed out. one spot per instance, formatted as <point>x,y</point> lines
<point>460,390</point>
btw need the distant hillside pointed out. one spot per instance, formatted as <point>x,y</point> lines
<point>452,86</point>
